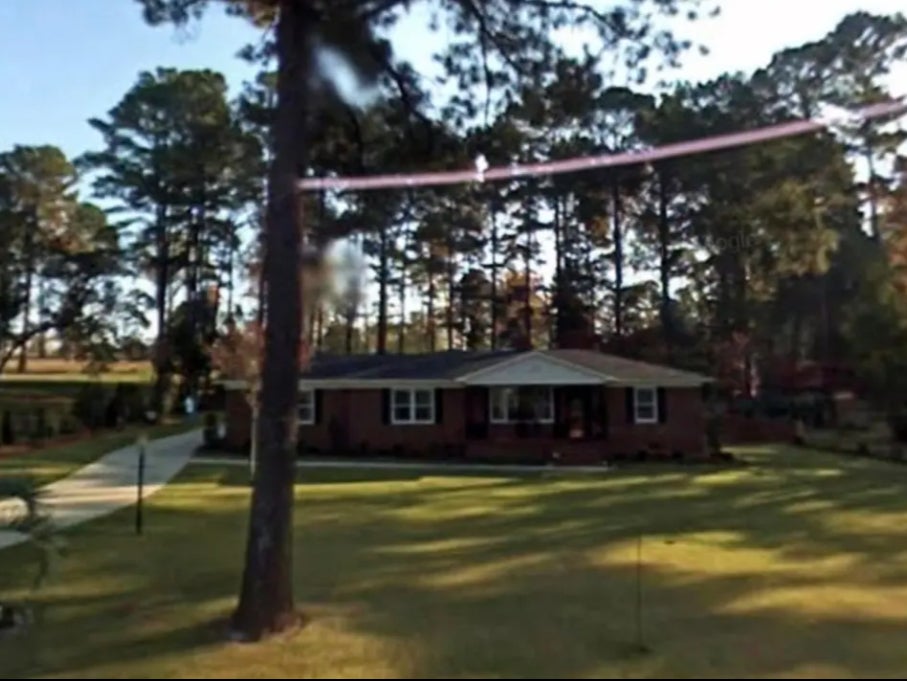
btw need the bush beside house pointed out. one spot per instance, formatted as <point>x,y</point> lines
<point>30,416</point>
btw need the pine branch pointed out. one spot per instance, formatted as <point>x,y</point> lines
<point>19,340</point>
<point>382,57</point>
<point>582,8</point>
<point>482,20</point>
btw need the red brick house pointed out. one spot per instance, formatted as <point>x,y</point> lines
<point>537,405</point>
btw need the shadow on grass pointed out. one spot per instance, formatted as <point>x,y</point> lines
<point>794,565</point>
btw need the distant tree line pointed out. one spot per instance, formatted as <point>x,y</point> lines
<point>743,262</point>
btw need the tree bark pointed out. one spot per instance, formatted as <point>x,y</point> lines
<point>319,334</point>
<point>29,275</point>
<point>430,314</point>
<point>350,322</point>
<point>451,284</point>
<point>231,256</point>
<point>494,279</point>
<point>558,248</point>
<point>262,285</point>
<point>664,264</point>
<point>401,292</point>
<point>618,259</point>
<point>383,274</point>
<point>42,302</point>
<point>266,597</point>
<point>527,290</point>
<point>875,231</point>
<point>162,254</point>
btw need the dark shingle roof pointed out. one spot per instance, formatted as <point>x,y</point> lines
<point>442,365</point>
<point>452,364</point>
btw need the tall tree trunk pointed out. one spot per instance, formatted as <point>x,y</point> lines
<point>310,327</point>
<point>262,284</point>
<point>162,352</point>
<point>527,290</point>
<point>193,282</point>
<point>494,279</point>
<point>319,334</point>
<point>266,598</point>
<point>430,314</point>
<point>618,259</point>
<point>558,251</point>
<point>559,294</point>
<point>383,275</point>
<point>450,272</point>
<point>348,339</point>
<point>42,303</point>
<point>401,292</point>
<point>26,308</point>
<point>874,230</point>
<point>231,258</point>
<point>664,262</point>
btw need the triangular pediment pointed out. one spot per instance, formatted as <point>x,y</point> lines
<point>533,368</point>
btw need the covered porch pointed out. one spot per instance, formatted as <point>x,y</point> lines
<point>536,409</point>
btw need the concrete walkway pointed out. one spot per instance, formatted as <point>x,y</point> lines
<point>109,483</point>
<point>437,467</point>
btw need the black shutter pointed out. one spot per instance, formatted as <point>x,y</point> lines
<point>629,404</point>
<point>439,405</point>
<point>603,411</point>
<point>662,406</point>
<point>559,428</point>
<point>386,406</point>
<point>318,397</point>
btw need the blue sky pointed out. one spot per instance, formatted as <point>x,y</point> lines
<point>63,61</point>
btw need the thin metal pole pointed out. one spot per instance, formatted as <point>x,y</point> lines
<point>639,640</point>
<point>139,519</point>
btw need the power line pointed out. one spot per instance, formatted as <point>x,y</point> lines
<point>835,118</point>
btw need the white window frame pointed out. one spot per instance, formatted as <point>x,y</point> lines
<point>306,402</point>
<point>497,393</point>
<point>411,420</point>
<point>636,403</point>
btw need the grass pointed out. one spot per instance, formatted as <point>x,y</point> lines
<point>794,566</point>
<point>876,439</point>
<point>52,463</point>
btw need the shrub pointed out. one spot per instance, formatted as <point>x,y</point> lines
<point>211,432</point>
<point>31,416</point>
<point>7,437</point>
<point>897,421</point>
<point>90,406</point>
<point>132,401</point>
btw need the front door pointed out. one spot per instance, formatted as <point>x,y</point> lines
<point>476,412</point>
<point>572,412</point>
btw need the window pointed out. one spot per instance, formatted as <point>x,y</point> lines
<point>412,406</point>
<point>645,402</point>
<point>305,409</point>
<point>523,404</point>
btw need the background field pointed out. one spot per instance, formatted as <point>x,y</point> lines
<point>48,370</point>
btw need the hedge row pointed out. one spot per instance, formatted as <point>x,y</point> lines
<point>28,415</point>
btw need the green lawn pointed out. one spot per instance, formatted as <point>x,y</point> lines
<point>46,465</point>
<point>793,566</point>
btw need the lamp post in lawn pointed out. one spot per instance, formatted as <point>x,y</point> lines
<point>142,446</point>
